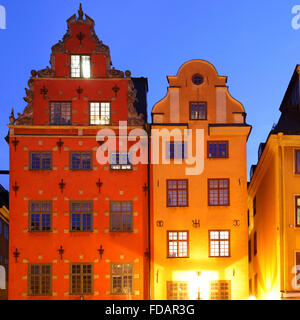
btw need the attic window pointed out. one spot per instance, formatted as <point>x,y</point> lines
<point>80,66</point>
<point>197,79</point>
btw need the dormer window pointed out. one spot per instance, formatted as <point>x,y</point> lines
<point>80,66</point>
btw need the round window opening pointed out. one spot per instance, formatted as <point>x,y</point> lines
<point>197,79</point>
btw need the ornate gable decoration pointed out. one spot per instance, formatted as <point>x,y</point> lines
<point>60,46</point>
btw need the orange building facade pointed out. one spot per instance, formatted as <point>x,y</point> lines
<point>199,207</point>
<point>78,228</point>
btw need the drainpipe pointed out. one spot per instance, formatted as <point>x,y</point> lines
<point>149,212</point>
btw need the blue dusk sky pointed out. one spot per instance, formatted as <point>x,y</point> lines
<point>250,41</point>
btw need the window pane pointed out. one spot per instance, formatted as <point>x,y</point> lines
<point>86,66</point>
<point>75,66</point>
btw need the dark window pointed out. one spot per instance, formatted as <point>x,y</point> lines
<point>100,113</point>
<point>219,243</point>
<point>177,290</point>
<point>249,251</point>
<point>256,284</point>
<point>255,243</point>
<point>60,113</point>
<point>178,244</point>
<point>198,111</point>
<point>197,79</point>
<point>297,211</point>
<point>39,279</point>
<point>217,149</point>
<point>120,161</point>
<point>81,216</point>
<point>177,193</point>
<point>121,278</point>
<point>6,232</point>
<point>40,216</point>
<point>0,227</point>
<point>248,217</point>
<point>40,160</point>
<point>176,150</point>
<point>297,161</point>
<point>121,219</point>
<point>81,160</point>
<point>81,280</point>
<point>218,192</point>
<point>220,290</point>
<point>254,206</point>
<point>80,66</point>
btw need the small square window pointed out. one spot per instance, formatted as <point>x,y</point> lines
<point>81,216</point>
<point>40,216</point>
<point>40,160</point>
<point>60,113</point>
<point>176,150</point>
<point>81,160</point>
<point>120,161</point>
<point>219,243</point>
<point>198,111</point>
<point>177,193</point>
<point>80,66</point>
<point>39,279</point>
<point>121,278</point>
<point>121,216</point>
<point>100,113</point>
<point>217,149</point>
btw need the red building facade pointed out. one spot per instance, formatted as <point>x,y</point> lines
<point>78,228</point>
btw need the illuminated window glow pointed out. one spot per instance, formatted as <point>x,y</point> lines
<point>219,243</point>
<point>100,113</point>
<point>80,66</point>
<point>178,244</point>
<point>177,290</point>
<point>121,278</point>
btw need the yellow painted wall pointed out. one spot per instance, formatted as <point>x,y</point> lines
<point>235,267</point>
<point>275,185</point>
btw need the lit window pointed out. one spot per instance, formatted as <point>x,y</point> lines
<point>81,216</point>
<point>297,211</point>
<point>177,290</point>
<point>220,290</point>
<point>81,275</point>
<point>80,66</point>
<point>177,193</point>
<point>176,150</point>
<point>121,219</point>
<point>178,244</point>
<point>40,160</point>
<point>219,243</point>
<point>198,111</point>
<point>60,113</point>
<point>120,161</point>
<point>100,113</point>
<point>40,216</point>
<point>121,278</point>
<point>218,192</point>
<point>217,149</point>
<point>39,279</point>
<point>81,160</point>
